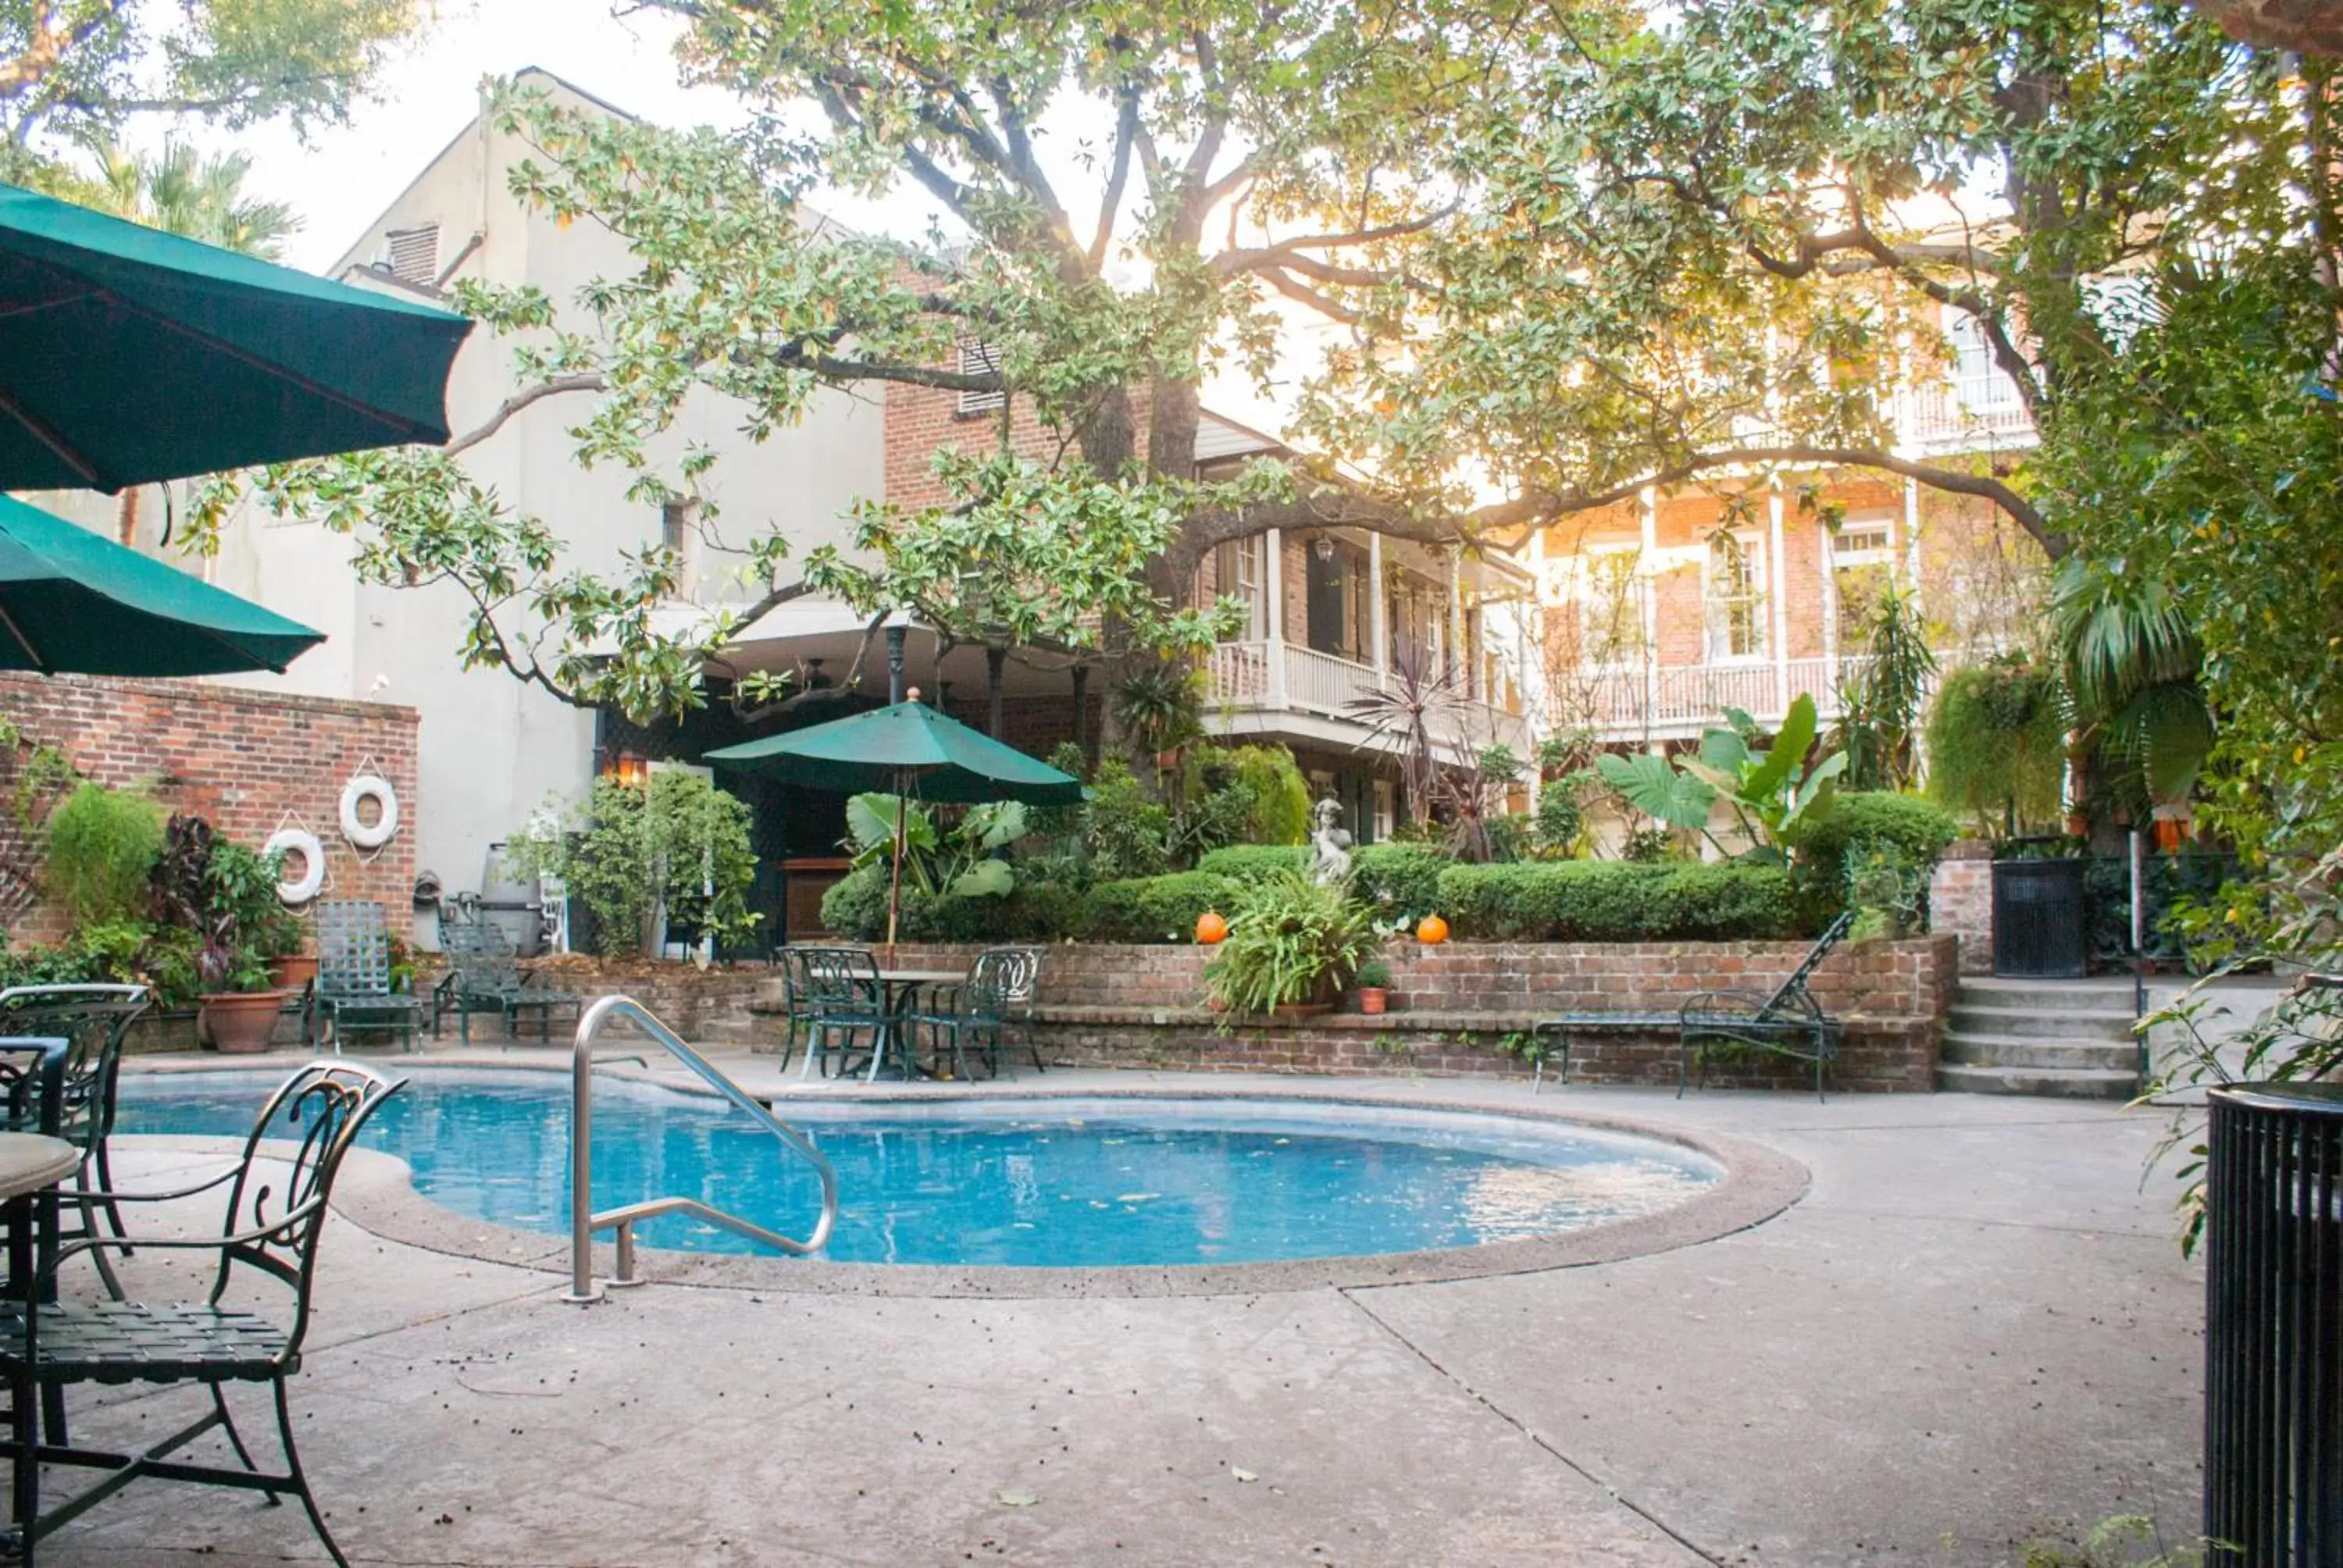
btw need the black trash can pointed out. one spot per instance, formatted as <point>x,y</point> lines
<point>2274,1326</point>
<point>2040,918</point>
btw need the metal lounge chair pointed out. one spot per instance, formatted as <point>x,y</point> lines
<point>92,1020</point>
<point>1787,1021</point>
<point>842,992</point>
<point>998,991</point>
<point>354,991</point>
<point>484,975</point>
<point>1764,1016</point>
<point>271,1230</point>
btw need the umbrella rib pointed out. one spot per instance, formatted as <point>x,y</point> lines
<point>35,307</point>
<point>413,430</point>
<point>41,430</point>
<point>14,630</point>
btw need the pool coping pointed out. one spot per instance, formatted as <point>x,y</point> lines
<point>377,1191</point>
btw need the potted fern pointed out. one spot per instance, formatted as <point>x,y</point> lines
<point>1374,986</point>
<point>1293,945</point>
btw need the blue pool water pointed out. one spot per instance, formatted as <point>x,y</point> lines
<point>1073,1182</point>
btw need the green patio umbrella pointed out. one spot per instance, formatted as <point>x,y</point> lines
<point>73,601</point>
<point>907,750</point>
<point>128,355</point>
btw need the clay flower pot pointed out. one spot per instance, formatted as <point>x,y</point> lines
<point>1373,999</point>
<point>293,970</point>
<point>240,1023</point>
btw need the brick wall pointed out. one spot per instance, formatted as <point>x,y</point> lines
<point>1960,901</point>
<point>244,759</point>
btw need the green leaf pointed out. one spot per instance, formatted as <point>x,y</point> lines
<point>1652,787</point>
<point>985,879</point>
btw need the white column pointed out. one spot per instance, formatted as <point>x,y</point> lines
<point>1647,587</point>
<point>1378,633</point>
<point>1458,652</point>
<point>1275,652</point>
<point>1778,595</point>
<point>1828,554</point>
<point>1912,542</point>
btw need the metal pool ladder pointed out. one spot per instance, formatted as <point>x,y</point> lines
<point>584,1289</point>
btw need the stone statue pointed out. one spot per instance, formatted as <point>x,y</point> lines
<point>1334,846</point>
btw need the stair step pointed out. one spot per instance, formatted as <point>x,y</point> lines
<point>2047,996</point>
<point>2069,1082</point>
<point>2030,1050</point>
<point>2057,1023</point>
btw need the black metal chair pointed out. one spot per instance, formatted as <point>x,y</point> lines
<point>93,1020</point>
<point>354,987</point>
<point>272,1228</point>
<point>484,975</point>
<point>842,991</point>
<point>796,1010</point>
<point>999,992</point>
<point>1786,1021</point>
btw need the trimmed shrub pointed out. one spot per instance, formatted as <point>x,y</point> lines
<point>1154,908</point>
<point>1617,900</point>
<point>1038,910</point>
<point>1916,830</point>
<point>1247,861</point>
<point>1399,880</point>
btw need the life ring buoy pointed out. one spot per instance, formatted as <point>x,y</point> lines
<point>355,828</point>
<point>300,889</point>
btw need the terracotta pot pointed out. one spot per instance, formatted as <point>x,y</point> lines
<point>294,970</point>
<point>1372,998</point>
<point>240,1023</point>
<point>1303,1009</point>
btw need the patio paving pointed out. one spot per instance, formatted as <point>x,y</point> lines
<point>1974,1329</point>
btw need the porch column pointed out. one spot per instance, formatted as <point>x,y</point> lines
<point>1275,653</point>
<point>1647,587</point>
<point>1777,596</point>
<point>1378,633</point>
<point>1912,541</point>
<point>1458,653</point>
<point>994,657</point>
<point>1082,706</point>
<point>896,628</point>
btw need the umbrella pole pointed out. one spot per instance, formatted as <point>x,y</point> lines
<point>895,882</point>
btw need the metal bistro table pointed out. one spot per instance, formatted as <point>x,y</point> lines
<point>902,985</point>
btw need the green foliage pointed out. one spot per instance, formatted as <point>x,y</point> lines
<point>1399,881</point>
<point>1124,832</point>
<point>1374,975</point>
<point>2132,662</point>
<point>1612,900</point>
<point>1997,746</point>
<point>1558,825</point>
<point>1912,830</point>
<point>1888,890</point>
<point>1154,909</point>
<point>2126,1540</point>
<point>1290,940</point>
<point>103,845</point>
<point>957,858</point>
<point>1648,846</point>
<point>1250,862</point>
<point>1879,704</point>
<point>1241,794</point>
<point>1771,792</point>
<point>1037,908</point>
<point>676,839</point>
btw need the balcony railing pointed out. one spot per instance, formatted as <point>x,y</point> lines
<point>1663,700</point>
<point>1283,678</point>
<point>1962,416</point>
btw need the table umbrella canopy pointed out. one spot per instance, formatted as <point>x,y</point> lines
<point>908,748</point>
<point>128,355</point>
<point>72,601</point>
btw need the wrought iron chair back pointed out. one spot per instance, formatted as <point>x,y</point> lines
<point>352,950</point>
<point>1001,980</point>
<point>1792,995</point>
<point>483,958</point>
<point>271,1227</point>
<point>839,983</point>
<point>32,1083</point>
<point>93,1020</point>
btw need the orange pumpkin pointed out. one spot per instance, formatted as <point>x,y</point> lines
<point>1431,930</point>
<point>1210,928</point>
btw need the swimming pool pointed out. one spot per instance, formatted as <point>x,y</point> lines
<point>1063,1182</point>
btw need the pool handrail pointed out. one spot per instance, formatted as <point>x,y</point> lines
<point>583,1222</point>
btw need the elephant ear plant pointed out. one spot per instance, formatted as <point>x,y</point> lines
<point>1771,791</point>
<point>1291,941</point>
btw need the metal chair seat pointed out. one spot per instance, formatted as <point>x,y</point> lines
<point>132,1341</point>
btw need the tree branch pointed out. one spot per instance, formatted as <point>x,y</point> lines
<point>1283,252</point>
<point>555,387</point>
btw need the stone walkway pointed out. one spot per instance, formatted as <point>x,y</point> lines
<point>1974,1329</point>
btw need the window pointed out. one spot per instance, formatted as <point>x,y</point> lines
<point>1237,574</point>
<point>1609,591</point>
<point>414,254</point>
<point>1734,592</point>
<point>981,360</point>
<point>1863,565</point>
<point>1977,381</point>
<point>676,534</point>
<point>1416,621</point>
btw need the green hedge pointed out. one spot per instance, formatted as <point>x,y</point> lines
<point>1919,829</point>
<point>1617,901</point>
<point>1154,908</point>
<point>1038,909</point>
<point>1247,861</point>
<point>1396,879</point>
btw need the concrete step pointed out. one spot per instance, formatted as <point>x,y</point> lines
<point>2066,1082</point>
<point>2029,1050</point>
<point>2054,1023</point>
<point>2105,995</point>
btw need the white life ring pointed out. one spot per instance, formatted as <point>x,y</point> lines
<point>298,842</point>
<point>369,787</point>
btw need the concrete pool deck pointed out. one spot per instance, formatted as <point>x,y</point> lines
<point>1974,1329</point>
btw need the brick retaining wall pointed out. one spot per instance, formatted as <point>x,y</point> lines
<point>241,758</point>
<point>1138,1007</point>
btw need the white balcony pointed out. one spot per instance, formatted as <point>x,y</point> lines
<point>1268,688</point>
<point>1964,416</point>
<point>1664,702</point>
